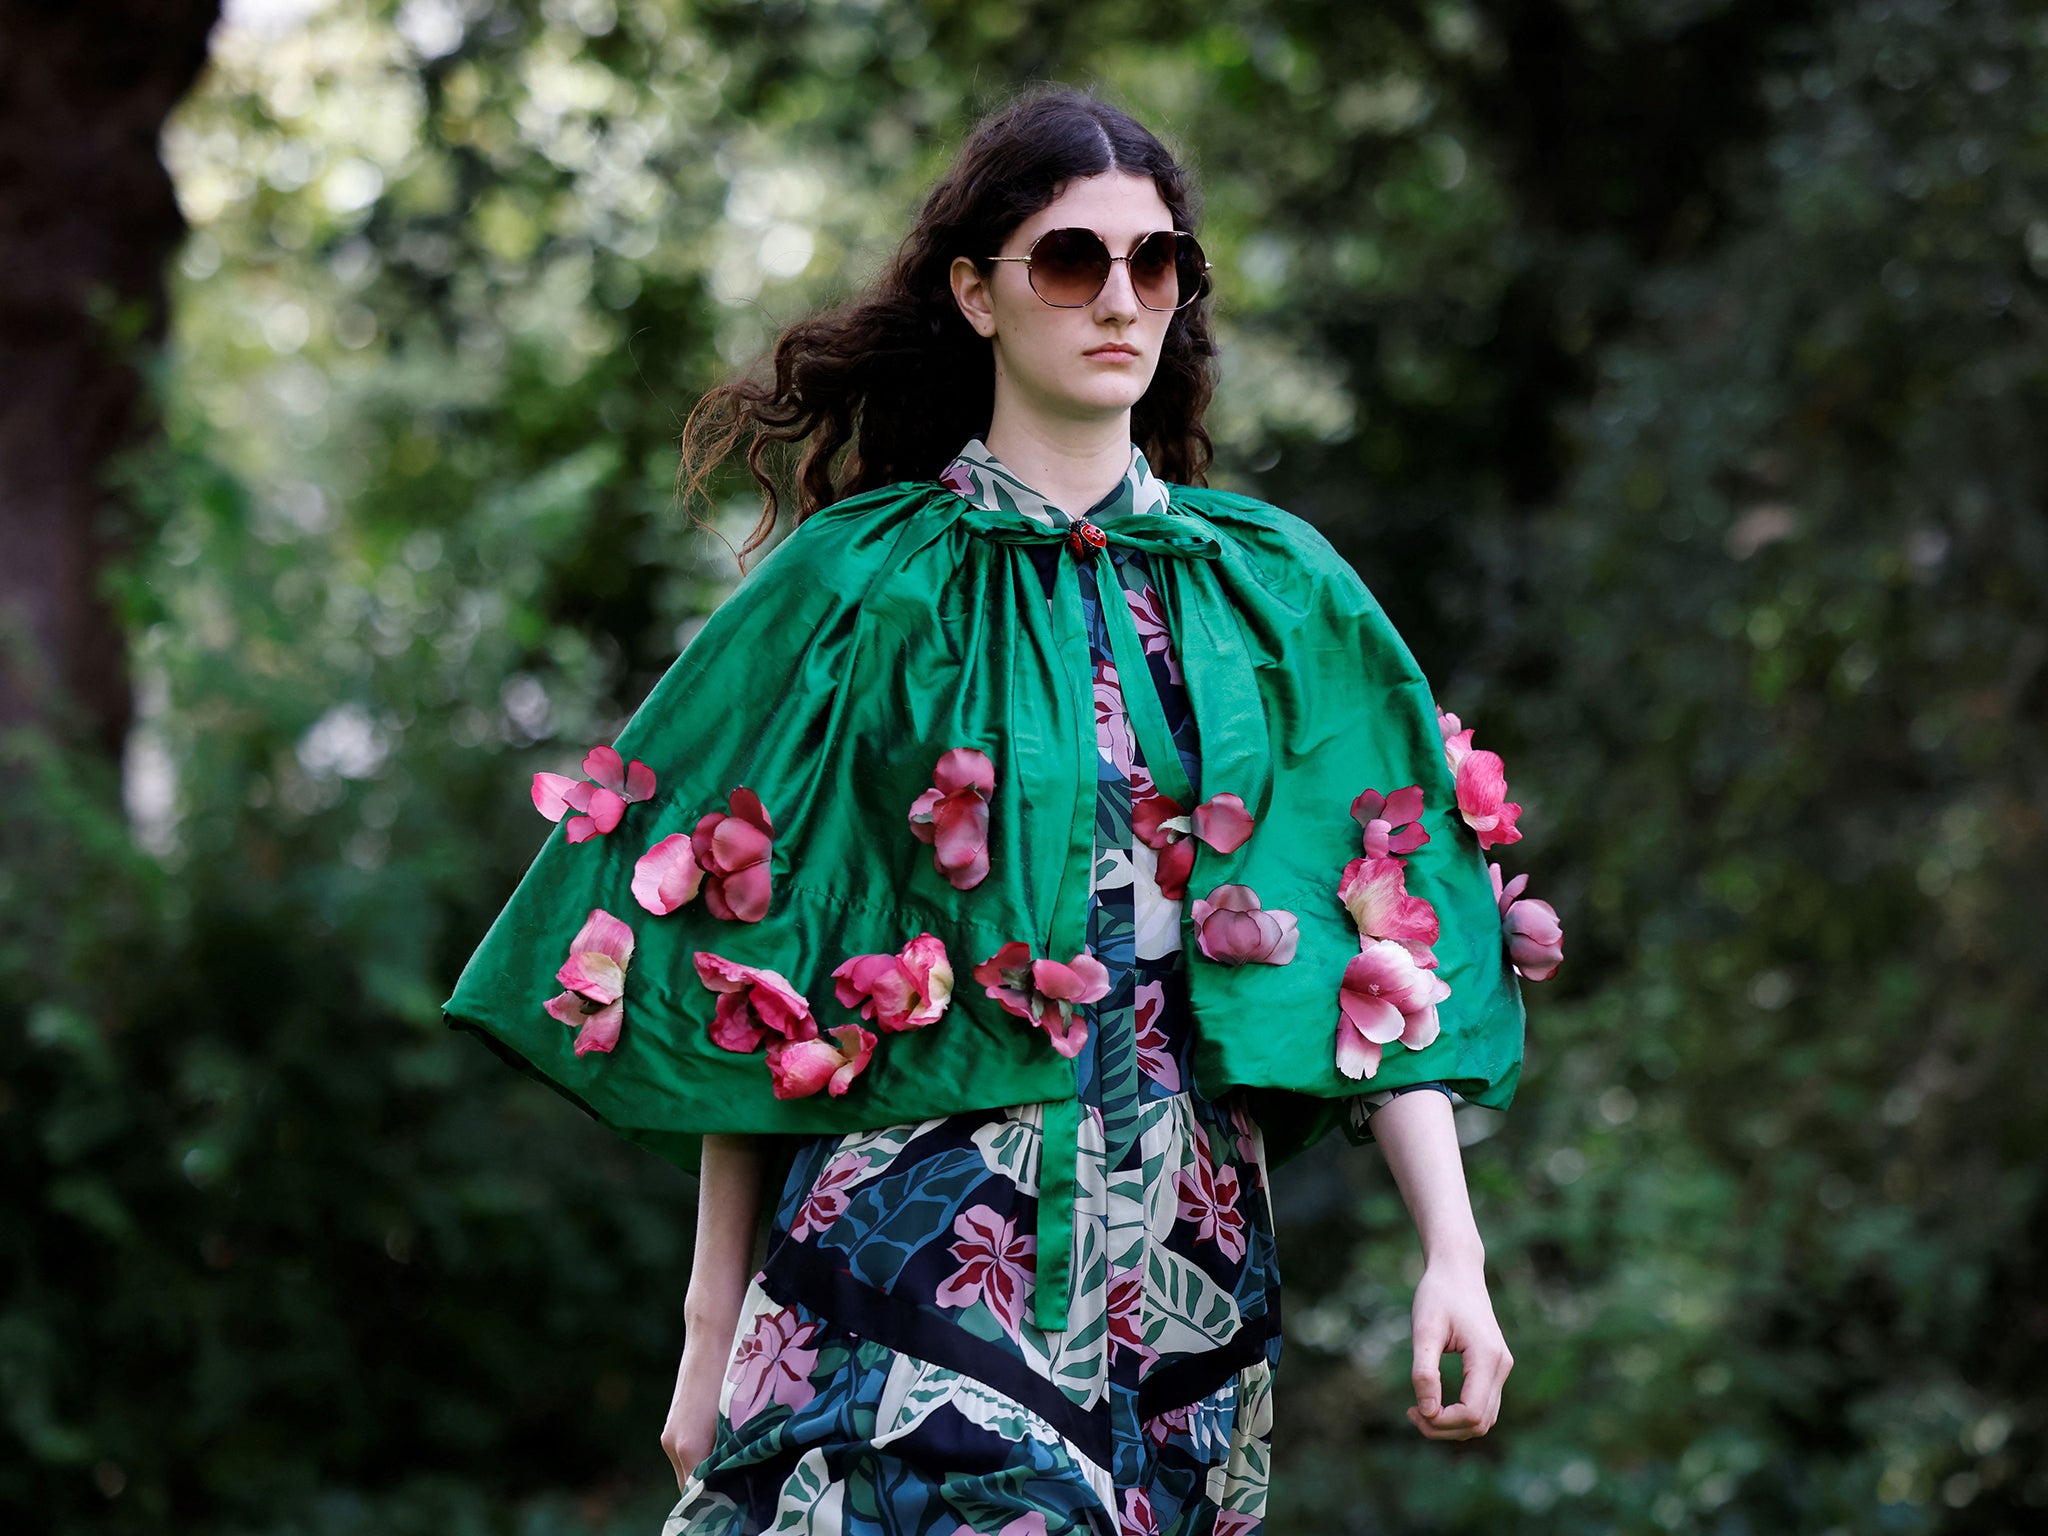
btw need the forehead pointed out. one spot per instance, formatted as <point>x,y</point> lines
<point>1114,203</point>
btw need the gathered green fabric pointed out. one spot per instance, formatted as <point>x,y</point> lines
<point>897,624</point>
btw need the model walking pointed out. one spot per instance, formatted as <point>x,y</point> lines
<point>1020,1274</point>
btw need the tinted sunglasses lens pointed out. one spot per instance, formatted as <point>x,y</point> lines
<point>1156,271</point>
<point>1069,266</point>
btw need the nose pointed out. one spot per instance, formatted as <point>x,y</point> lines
<point>1119,296</point>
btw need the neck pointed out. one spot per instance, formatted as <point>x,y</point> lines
<point>1073,465</point>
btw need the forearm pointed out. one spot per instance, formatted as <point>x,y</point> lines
<point>728,1204</point>
<point>1418,1135</point>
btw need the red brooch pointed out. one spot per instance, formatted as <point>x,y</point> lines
<point>1084,536</point>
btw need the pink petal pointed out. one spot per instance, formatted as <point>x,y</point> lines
<point>600,1030</point>
<point>603,765</point>
<point>799,1068</point>
<point>736,844</point>
<point>1068,1030</point>
<point>667,875</point>
<point>1232,938</point>
<point>961,827</point>
<point>747,806</point>
<point>1083,979</point>
<point>856,1046</point>
<point>605,809</point>
<point>1535,939</point>
<point>1408,839</point>
<point>580,829</point>
<point>921,811</point>
<point>1404,805</point>
<point>1148,816</point>
<point>1421,1028</point>
<point>1175,863</point>
<point>965,768</point>
<point>719,973</point>
<point>1222,822</point>
<point>744,895</point>
<point>639,781</point>
<point>925,958</point>
<point>876,985</point>
<point>598,977</point>
<point>604,934</point>
<point>1375,893</point>
<point>734,1026</point>
<point>550,791</point>
<point>1457,747</point>
<point>1371,1018</point>
<point>1356,1055</point>
<point>568,1007</point>
<point>1503,830</point>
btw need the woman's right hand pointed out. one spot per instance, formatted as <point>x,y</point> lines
<point>693,1410</point>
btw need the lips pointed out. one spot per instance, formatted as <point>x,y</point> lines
<point>1113,350</point>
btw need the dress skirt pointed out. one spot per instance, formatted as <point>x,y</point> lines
<point>886,1378</point>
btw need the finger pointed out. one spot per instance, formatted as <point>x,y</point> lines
<point>1426,1376</point>
<point>1500,1382</point>
<point>1480,1394</point>
<point>1443,1426</point>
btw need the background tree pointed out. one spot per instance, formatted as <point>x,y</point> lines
<point>1667,367</point>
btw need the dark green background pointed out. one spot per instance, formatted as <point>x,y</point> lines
<point>1675,371</point>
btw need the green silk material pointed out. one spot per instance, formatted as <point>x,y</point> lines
<point>899,623</point>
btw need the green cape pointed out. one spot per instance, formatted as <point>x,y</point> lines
<point>904,621</point>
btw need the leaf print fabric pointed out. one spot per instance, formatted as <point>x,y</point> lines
<point>901,1264</point>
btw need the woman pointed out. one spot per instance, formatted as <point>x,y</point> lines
<point>1020,1274</point>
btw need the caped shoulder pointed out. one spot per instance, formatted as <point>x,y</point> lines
<point>1279,541</point>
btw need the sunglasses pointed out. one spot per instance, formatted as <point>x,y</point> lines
<point>1068,267</point>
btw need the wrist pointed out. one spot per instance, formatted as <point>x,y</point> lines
<point>1454,1250</point>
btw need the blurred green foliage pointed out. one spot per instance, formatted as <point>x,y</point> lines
<point>1672,368</point>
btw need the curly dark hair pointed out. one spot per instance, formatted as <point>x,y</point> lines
<point>897,377</point>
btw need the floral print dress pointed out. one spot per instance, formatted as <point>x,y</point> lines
<point>886,1376</point>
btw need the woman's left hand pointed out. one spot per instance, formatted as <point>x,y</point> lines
<point>1453,1315</point>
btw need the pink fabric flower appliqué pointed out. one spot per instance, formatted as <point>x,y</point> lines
<point>906,990</point>
<point>953,815</point>
<point>1375,892</point>
<point>1393,823</point>
<point>1221,821</point>
<point>1231,928</point>
<point>595,975</point>
<point>753,1003</point>
<point>799,1068</point>
<point>1386,996</point>
<point>996,1265</point>
<point>600,799</point>
<point>1534,935</point>
<point>773,1365</point>
<point>733,848</point>
<point>1045,993</point>
<point>1482,784</point>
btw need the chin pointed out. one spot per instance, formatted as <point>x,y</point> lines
<point>1108,394</point>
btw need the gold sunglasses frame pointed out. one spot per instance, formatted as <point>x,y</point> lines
<point>1202,288</point>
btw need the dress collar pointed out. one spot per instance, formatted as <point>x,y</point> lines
<point>978,476</point>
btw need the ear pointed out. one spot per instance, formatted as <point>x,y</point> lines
<point>971,293</point>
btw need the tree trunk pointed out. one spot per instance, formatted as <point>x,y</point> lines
<point>87,221</point>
